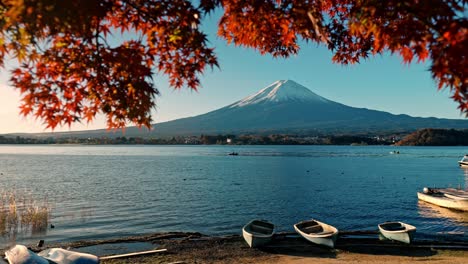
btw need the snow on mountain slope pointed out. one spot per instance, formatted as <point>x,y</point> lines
<point>283,90</point>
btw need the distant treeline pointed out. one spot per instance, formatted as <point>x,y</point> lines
<point>423,137</point>
<point>212,140</point>
<point>436,137</point>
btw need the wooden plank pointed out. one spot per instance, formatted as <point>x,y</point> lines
<point>134,254</point>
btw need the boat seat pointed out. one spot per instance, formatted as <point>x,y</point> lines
<point>325,233</point>
<point>312,229</point>
<point>260,230</point>
<point>259,233</point>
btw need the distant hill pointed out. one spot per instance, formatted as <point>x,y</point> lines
<point>283,107</point>
<point>436,137</point>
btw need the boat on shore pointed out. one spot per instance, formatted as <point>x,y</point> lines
<point>317,232</point>
<point>397,231</point>
<point>258,233</point>
<point>464,161</point>
<point>445,197</point>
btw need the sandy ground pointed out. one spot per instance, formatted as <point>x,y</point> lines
<point>196,248</point>
<point>296,251</point>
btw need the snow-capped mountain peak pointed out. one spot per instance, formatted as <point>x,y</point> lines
<point>283,90</point>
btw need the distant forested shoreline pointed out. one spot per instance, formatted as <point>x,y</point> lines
<point>436,137</point>
<point>423,137</point>
<point>213,140</point>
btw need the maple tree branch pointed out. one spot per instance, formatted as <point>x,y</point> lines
<point>137,9</point>
<point>317,29</point>
<point>98,55</point>
<point>99,66</point>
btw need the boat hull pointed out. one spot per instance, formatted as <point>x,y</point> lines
<point>258,233</point>
<point>255,241</point>
<point>328,242</point>
<point>326,238</point>
<point>405,235</point>
<point>444,201</point>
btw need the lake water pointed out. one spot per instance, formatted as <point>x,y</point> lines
<point>99,192</point>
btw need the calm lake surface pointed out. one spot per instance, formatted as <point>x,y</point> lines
<point>99,192</point>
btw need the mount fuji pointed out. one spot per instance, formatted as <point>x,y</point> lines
<point>285,107</point>
<point>288,107</point>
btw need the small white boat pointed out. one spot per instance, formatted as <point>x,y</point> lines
<point>397,231</point>
<point>448,198</point>
<point>464,161</point>
<point>258,232</point>
<point>317,232</point>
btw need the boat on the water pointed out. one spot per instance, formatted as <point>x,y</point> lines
<point>258,232</point>
<point>317,232</point>
<point>233,154</point>
<point>397,231</point>
<point>445,197</point>
<point>464,161</point>
<point>456,194</point>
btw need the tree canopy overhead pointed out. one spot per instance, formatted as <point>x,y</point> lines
<point>69,70</point>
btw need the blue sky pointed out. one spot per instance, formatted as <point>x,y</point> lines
<point>381,83</point>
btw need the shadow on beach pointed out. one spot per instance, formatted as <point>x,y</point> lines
<point>397,250</point>
<point>296,246</point>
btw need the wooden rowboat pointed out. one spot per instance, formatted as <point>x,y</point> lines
<point>317,232</point>
<point>397,231</point>
<point>258,232</point>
